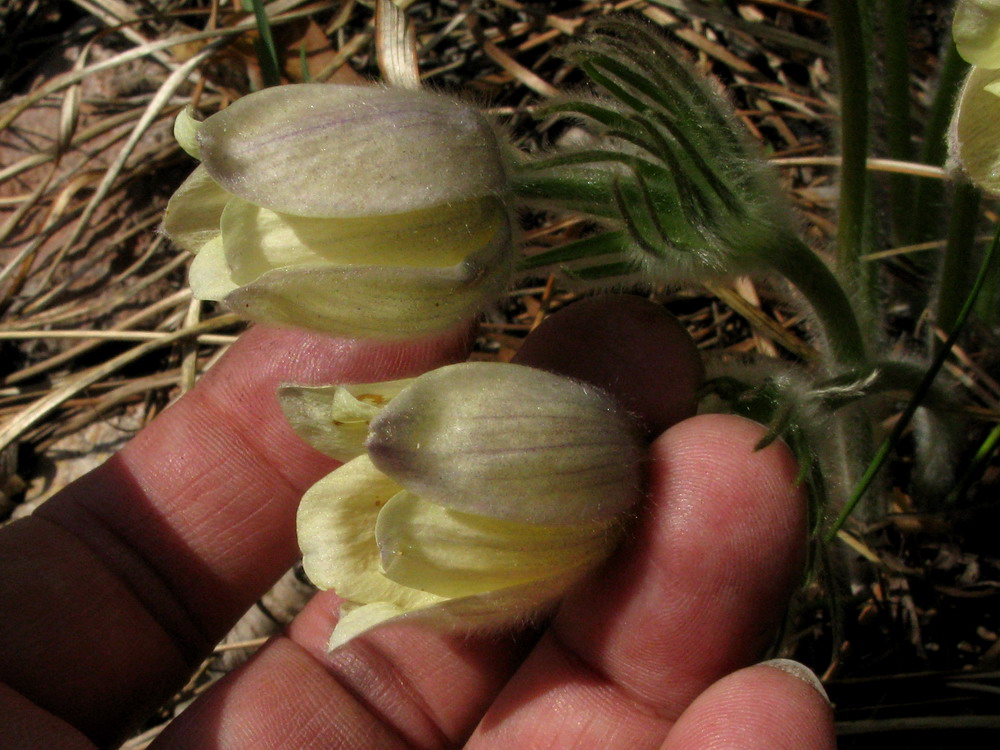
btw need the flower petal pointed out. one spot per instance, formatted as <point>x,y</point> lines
<point>334,419</point>
<point>976,30</point>
<point>428,547</point>
<point>495,610</point>
<point>377,301</point>
<point>209,275</point>
<point>356,620</point>
<point>336,530</point>
<point>975,138</point>
<point>501,608</point>
<point>258,240</point>
<point>186,131</point>
<point>194,212</point>
<point>510,442</point>
<point>325,150</point>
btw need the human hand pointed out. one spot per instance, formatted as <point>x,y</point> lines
<point>115,589</point>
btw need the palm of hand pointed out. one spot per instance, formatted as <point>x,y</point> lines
<point>118,586</point>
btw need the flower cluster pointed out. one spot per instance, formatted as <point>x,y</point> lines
<point>473,496</point>
<point>352,210</point>
<point>975,139</point>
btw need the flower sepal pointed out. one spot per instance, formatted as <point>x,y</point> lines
<point>485,492</point>
<point>352,210</point>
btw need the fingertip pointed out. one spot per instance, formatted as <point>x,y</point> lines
<point>729,446</point>
<point>800,670</point>
<point>722,501</point>
<point>763,706</point>
<point>629,346</point>
<point>700,586</point>
<point>264,351</point>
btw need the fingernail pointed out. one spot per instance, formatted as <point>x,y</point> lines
<point>800,670</point>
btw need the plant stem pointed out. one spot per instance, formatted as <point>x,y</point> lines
<point>852,65</point>
<point>979,463</point>
<point>794,260</point>
<point>882,454</point>
<point>957,262</point>
<point>895,31</point>
<point>928,200</point>
<point>988,304</point>
<point>781,250</point>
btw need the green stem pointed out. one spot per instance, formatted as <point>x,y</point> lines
<point>879,378</point>
<point>852,65</point>
<point>783,252</point>
<point>899,123</point>
<point>988,304</point>
<point>979,463</point>
<point>882,454</point>
<point>817,283</point>
<point>587,192</point>
<point>928,200</point>
<point>606,243</point>
<point>957,263</point>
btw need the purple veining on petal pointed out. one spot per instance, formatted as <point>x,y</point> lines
<point>343,122</point>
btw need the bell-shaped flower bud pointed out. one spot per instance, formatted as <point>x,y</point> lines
<point>487,491</point>
<point>334,419</point>
<point>974,142</point>
<point>352,210</point>
<point>976,30</point>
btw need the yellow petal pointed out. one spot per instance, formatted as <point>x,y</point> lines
<point>976,30</point>
<point>493,611</point>
<point>209,275</point>
<point>975,136</point>
<point>510,442</point>
<point>194,213</point>
<point>325,150</point>
<point>993,87</point>
<point>426,546</point>
<point>356,620</point>
<point>379,302</point>
<point>336,530</point>
<point>502,608</point>
<point>334,419</point>
<point>258,240</point>
<point>186,131</point>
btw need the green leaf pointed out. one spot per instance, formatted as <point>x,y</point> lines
<point>589,247</point>
<point>267,52</point>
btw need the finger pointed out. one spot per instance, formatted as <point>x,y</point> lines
<point>427,689</point>
<point>656,378</point>
<point>695,593</point>
<point>758,708</point>
<point>115,587</point>
<point>24,724</point>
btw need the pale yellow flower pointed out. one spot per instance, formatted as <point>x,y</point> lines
<point>474,496</point>
<point>975,131</point>
<point>353,210</point>
<point>976,30</point>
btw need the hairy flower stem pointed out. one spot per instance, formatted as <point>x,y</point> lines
<point>852,62</point>
<point>895,30</point>
<point>817,283</point>
<point>958,260</point>
<point>882,454</point>
<point>928,200</point>
<point>781,251</point>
